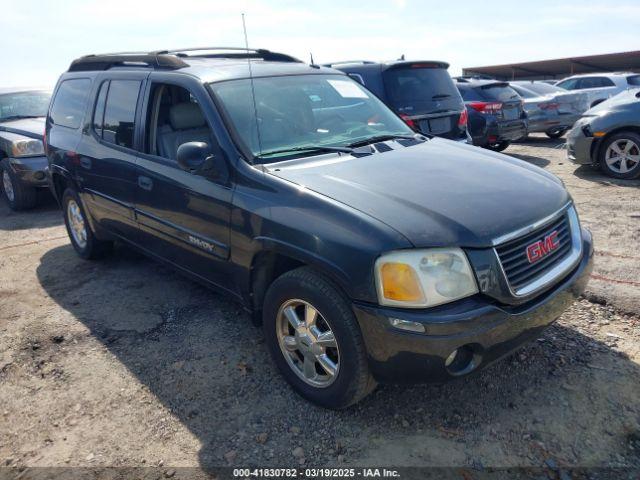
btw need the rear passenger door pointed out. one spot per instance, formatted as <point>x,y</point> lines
<point>106,169</point>
<point>183,216</point>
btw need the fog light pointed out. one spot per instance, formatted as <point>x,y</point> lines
<point>450,359</point>
<point>407,325</point>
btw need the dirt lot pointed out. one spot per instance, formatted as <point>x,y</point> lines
<point>123,362</point>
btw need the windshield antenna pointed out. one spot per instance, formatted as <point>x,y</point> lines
<point>253,92</point>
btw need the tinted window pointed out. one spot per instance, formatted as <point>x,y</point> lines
<point>595,82</point>
<point>420,90</point>
<point>500,92</point>
<point>523,92</point>
<point>570,84</point>
<point>24,104</point>
<point>634,80</point>
<point>469,94</point>
<point>120,112</point>
<point>70,102</point>
<point>98,114</point>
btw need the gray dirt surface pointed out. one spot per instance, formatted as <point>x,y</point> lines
<point>123,362</point>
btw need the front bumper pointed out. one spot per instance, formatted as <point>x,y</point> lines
<point>478,324</point>
<point>580,148</point>
<point>30,170</point>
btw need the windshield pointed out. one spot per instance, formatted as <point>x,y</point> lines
<point>298,111</point>
<point>24,104</point>
<point>421,90</point>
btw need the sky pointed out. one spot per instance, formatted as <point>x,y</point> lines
<point>40,38</point>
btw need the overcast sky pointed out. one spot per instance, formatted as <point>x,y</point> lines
<point>40,38</point>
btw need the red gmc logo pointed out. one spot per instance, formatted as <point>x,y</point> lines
<point>540,249</point>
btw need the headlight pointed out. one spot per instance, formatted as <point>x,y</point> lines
<point>423,278</point>
<point>27,148</point>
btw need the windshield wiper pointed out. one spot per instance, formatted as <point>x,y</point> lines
<point>306,148</point>
<point>380,138</point>
<point>18,117</point>
<point>440,95</point>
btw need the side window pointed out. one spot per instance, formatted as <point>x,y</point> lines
<point>595,82</point>
<point>120,112</point>
<point>174,118</point>
<point>570,84</point>
<point>98,114</point>
<point>634,80</point>
<point>70,102</point>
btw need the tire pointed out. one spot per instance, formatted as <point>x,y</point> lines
<point>498,147</point>
<point>17,195</point>
<point>86,245</point>
<point>555,133</point>
<point>629,166</point>
<point>298,290</point>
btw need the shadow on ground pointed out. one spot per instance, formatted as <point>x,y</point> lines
<point>201,357</point>
<point>594,174</point>
<point>45,214</point>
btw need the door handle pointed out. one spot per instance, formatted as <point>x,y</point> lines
<point>145,183</point>
<point>85,163</point>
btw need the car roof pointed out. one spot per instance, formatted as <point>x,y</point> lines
<point>210,65</point>
<point>600,74</point>
<point>384,64</point>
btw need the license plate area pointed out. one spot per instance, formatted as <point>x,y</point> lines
<point>436,125</point>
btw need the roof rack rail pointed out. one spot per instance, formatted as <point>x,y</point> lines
<point>231,52</point>
<point>107,60</point>
<point>347,62</point>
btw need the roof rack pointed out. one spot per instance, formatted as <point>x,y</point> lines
<point>171,59</point>
<point>231,52</point>
<point>349,62</point>
<point>107,60</point>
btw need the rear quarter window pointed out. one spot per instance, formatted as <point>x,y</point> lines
<point>70,102</point>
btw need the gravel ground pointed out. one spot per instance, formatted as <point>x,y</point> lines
<point>125,363</point>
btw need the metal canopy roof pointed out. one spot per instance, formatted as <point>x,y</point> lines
<point>561,67</point>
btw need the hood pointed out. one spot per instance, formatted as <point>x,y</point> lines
<point>436,193</point>
<point>29,127</point>
<point>617,102</point>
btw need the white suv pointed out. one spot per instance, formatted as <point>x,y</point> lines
<point>600,86</point>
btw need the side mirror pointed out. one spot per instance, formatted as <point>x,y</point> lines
<point>192,155</point>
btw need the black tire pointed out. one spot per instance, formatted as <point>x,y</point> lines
<point>92,248</point>
<point>498,147</point>
<point>23,197</point>
<point>633,172</point>
<point>555,133</point>
<point>353,381</point>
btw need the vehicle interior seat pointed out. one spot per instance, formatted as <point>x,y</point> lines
<point>186,124</point>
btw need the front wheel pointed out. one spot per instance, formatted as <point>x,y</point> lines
<point>555,133</point>
<point>620,155</point>
<point>18,195</point>
<point>315,340</point>
<point>499,146</point>
<point>82,237</point>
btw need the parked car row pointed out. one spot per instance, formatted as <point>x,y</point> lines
<point>367,251</point>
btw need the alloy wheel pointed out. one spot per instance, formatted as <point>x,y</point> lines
<point>308,343</point>
<point>76,224</point>
<point>8,186</point>
<point>622,155</point>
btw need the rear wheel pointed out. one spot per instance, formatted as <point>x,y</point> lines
<point>315,339</point>
<point>620,155</point>
<point>82,237</point>
<point>555,133</point>
<point>18,195</point>
<point>499,146</point>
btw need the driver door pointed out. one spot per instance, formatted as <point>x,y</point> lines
<point>183,216</point>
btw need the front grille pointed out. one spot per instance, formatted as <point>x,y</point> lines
<point>513,254</point>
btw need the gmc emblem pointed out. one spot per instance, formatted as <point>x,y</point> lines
<point>540,249</point>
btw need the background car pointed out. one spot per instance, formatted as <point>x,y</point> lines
<point>550,109</point>
<point>495,111</point>
<point>421,92</point>
<point>22,159</point>
<point>601,86</point>
<point>608,135</point>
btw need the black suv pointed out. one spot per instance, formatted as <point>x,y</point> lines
<point>368,252</point>
<point>496,112</point>
<point>421,92</point>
